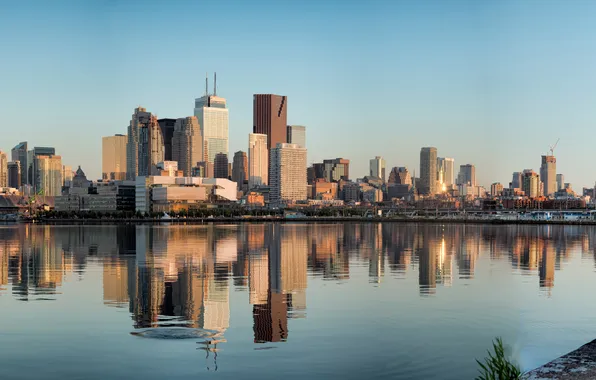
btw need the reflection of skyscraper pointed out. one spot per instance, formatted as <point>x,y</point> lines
<point>258,278</point>
<point>115,282</point>
<point>547,267</point>
<point>427,268</point>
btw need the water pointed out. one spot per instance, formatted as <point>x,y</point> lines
<point>353,300</point>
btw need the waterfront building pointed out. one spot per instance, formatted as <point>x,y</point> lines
<point>377,168</point>
<point>258,160</point>
<point>187,144</point>
<point>213,117</point>
<point>113,157</point>
<point>548,175</point>
<point>47,175</point>
<point>288,173</point>
<point>428,171</point>
<point>19,153</point>
<point>296,134</point>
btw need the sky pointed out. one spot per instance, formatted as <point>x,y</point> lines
<point>491,83</point>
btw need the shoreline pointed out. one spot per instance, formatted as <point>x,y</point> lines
<point>576,365</point>
<point>471,221</point>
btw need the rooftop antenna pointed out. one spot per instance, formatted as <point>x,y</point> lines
<point>214,84</point>
<point>206,85</point>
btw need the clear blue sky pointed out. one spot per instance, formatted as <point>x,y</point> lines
<point>492,83</point>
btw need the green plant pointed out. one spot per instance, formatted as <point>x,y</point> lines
<point>496,366</point>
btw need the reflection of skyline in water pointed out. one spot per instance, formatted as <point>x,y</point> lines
<point>182,276</point>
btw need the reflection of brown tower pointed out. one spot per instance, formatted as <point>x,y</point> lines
<point>427,268</point>
<point>547,267</point>
<point>271,320</point>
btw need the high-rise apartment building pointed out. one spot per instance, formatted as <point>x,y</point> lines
<point>270,117</point>
<point>548,174</point>
<point>113,157</point>
<point>3,169</point>
<point>296,134</point>
<point>258,160</point>
<point>428,171</point>
<point>531,183</point>
<point>187,144</point>
<point>467,175</point>
<point>167,131</point>
<point>19,153</point>
<point>47,175</point>
<point>220,166</point>
<point>446,169</point>
<point>14,174</point>
<point>377,168</point>
<point>145,144</point>
<point>240,168</point>
<point>288,173</point>
<point>560,182</point>
<point>212,114</point>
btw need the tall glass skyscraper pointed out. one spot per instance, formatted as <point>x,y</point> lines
<point>296,134</point>
<point>212,114</point>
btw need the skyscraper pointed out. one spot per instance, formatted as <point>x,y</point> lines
<point>334,169</point>
<point>446,168</point>
<point>113,157</point>
<point>531,183</point>
<point>3,169</point>
<point>212,114</point>
<point>32,171</point>
<point>288,173</point>
<point>19,153</point>
<point>240,168</point>
<point>467,175</point>
<point>14,174</point>
<point>258,160</point>
<point>270,118</point>
<point>47,175</point>
<point>516,181</point>
<point>428,171</point>
<point>560,182</point>
<point>67,175</point>
<point>400,176</point>
<point>220,166</point>
<point>377,167</point>
<point>167,131</point>
<point>548,174</point>
<point>145,144</point>
<point>296,135</point>
<point>187,144</point>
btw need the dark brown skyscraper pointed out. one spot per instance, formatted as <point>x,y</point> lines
<point>240,168</point>
<point>220,166</point>
<point>270,117</point>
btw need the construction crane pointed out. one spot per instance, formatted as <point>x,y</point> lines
<point>552,147</point>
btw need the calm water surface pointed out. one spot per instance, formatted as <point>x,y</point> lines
<point>295,301</point>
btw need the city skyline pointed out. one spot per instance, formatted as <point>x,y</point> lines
<point>469,93</point>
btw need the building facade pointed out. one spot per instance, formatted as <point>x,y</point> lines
<point>270,118</point>
<point>548,175</point>
<point>446,168</point>
<point>560,182</point>
<point>296,134</point>
<point>496,189</point>
<point>220,166</point>
<point>19,153</point>
<point>187,144</point>
<point>517,180</point>
<point>145,144</point>
<point>467,175</point>
<point>288,173</point>
<point>167,131</point>
<point>377,168</point>
<point>213,118</point>
<point>333,170</point>
<point>14,174</point>
<point>428,171</point>
<point>531,183</point>
<point>113,157</point>
<point>240,168</point>
<point>47,175</point>
<point>258,160</point>
<point>3,169</point>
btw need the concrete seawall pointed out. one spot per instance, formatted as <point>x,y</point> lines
<point>576,365</point>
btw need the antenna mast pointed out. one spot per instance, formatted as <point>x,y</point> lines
<point>214,84</point>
